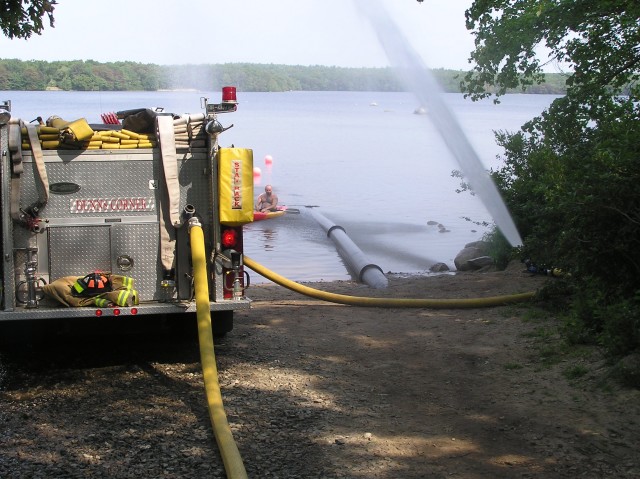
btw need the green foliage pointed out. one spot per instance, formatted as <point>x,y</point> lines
<point>121,76</point>
<point>627,370</point>
<point>499,248</point>
<point>278,78</point>
<point>22,18</point>
<point>613,325</point>
<point>575,372</point>
<point>570,176</point>
<point>78,75</point>
<point>573,194</point>
<point>572,190</point>
<point>620,326</point>
<point>596,39</point>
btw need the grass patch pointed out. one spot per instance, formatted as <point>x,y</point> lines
<point>513,366</point>
<point>546,338</point>
<point>575,372</point>
<point>534,315</point>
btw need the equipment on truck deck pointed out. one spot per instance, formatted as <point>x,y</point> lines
<point>78,197</point>
<point>92,285</point>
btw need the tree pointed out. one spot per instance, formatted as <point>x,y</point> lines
<point>570,176</point>
<point>598,40</point>
<point>22,18</point>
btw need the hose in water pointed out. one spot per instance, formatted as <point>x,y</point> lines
<point>355,259</point>
<point>228,449</point>
<point>388,302</point>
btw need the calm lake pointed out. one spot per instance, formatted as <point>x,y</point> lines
<point>365,160</point>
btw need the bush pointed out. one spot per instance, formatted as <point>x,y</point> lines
<point>570,181</point>
<point>499,248</point>
<point>620,335</point>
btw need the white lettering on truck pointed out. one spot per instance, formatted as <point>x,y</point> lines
<point>108,205</point>
<point>236,184</point>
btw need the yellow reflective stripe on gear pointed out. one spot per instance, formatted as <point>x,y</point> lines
<point>123,296</point>
<point>78,287</point>
<point>127,282</point>
<point>102,302</point>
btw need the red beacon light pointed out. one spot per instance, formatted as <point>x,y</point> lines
<point>229,104</point>
<point>229,94</point>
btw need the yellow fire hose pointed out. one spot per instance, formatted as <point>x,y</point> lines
<point>228,449</point>
<point>388,302</point>
<point>233,464</point>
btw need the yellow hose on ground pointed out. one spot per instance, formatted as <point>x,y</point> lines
<point>388,302</point>
<point>228,449</point>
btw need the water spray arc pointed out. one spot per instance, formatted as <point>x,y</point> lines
<point>418,79</point>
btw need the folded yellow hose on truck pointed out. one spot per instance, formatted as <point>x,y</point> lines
<point>48,136</point>
<point>77,130</point>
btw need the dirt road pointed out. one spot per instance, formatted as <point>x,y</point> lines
<point>318,390</point>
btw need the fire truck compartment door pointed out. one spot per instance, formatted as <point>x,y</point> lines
<point>78,250</point>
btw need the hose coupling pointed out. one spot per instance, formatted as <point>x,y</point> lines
<point>168,279</point>
<point>188,212</point>
<point>194,221</point>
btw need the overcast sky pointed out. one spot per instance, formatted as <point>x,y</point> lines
<point>292,32</point>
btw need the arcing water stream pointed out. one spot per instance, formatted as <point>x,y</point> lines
<point>419,80</point>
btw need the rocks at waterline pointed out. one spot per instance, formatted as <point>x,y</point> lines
<point>439,268</point>
<point>473,257</point>
<point>441,227</point>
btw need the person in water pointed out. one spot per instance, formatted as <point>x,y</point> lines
<point>267,201</point>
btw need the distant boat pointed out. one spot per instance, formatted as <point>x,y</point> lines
<point>373,103</point>
<point>420,111</point>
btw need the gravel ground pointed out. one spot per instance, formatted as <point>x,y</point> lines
<point>318,390</point>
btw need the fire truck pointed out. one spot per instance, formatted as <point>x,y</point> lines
<point>94,215</point>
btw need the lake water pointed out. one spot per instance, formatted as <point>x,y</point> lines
<point>364,160</point>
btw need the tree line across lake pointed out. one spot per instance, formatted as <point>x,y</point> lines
<point>79,75</point>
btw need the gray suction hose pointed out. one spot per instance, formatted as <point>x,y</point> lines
<point>358,264</point>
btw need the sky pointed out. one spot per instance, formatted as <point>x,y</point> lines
<point>290,32</point>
